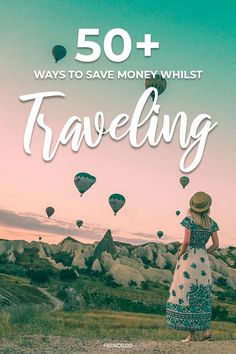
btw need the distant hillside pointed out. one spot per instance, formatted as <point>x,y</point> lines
<point>125,263</point>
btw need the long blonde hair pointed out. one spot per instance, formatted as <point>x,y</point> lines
<point>201,218</point>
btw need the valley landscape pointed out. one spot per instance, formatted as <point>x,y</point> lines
<point>105,292</point>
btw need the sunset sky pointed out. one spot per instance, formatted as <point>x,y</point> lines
<point>192,36</point>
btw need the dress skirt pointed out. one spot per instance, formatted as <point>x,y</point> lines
<point>189,305</point>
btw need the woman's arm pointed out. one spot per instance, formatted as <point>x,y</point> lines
<point>185,243</point>
<point>215,242</point>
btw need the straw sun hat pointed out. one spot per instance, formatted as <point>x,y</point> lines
<point>200,201</point>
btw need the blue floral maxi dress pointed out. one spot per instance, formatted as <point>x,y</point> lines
<point>189,305</point>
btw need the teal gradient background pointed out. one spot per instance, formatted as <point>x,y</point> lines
<point>197,35</point>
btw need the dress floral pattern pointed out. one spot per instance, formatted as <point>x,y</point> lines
<point>189,305</point>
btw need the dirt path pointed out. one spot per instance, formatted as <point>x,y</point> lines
<point>58,304</point>
<point>72,345</point>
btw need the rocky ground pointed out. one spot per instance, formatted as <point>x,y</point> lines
<point>152,261</point>
<point>65,345</point>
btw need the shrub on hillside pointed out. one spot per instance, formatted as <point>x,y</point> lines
<point>89,262</point>
<point>13,269</point>
<point>145,285</point>
<point>231,294</point>
<point>67,275</point>
<point>28,257</point>
<point>175,249</point>
<point>165,286</point>
<point>71,303</point>
<point>219,313</point>
<point>96,274</point>
<point>62,293</point>
<point>64,258</point>
<point>132,283</point>
<point>110,281</point>
<point>220,295</point>
<point>39,275</point>
<point>221,282</point>
<point>234,265</point>
<point>3,258</point>
<point>121,304</point>
<point>84,271</point>
<point>176,246</point>
<point>169,266</point>
<point>231,248</point>
<point>145,260</point>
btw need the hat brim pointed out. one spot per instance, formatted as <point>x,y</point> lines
<point>206,207</point>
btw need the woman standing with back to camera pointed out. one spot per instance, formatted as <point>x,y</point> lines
<point>189,306</point>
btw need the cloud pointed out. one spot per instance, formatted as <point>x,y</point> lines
<point>143,235</point>
<point>35,223</point>
<point>42,225</point>
<point>132,241</point>
<point>147,237</point>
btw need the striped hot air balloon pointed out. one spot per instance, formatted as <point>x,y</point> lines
<point>184,181</point>
<point>83,181</point>
<point>116,202</point>
<point>158,82</point>
<point>50,211</point>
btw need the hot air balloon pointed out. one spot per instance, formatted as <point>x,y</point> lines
<point>59,52</point>
<point>50,211</point>
<point>83,181</point>
<point>160,234</point>
<point>184,180</point>
<point>40,238</point>
<point>116,202</point>
<point>158,82</point>
<point>79,223</point>
<point>177,212</point>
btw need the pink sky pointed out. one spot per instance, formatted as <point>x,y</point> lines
<point>148,177</point>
